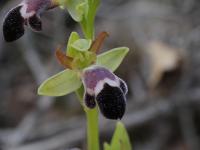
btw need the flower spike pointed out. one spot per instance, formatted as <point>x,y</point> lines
<point>107,89</point>
<point>27,13</point>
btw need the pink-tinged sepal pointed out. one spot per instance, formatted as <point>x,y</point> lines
<point>13,25</point>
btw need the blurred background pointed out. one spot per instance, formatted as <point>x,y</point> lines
<point>162,72</point>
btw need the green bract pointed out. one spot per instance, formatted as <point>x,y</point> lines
<point>82,11</point>
<point>112,58</point>
<point>60,84</point>
<point>120,139</point>
<point>76,8</point>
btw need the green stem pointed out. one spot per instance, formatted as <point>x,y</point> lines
<point>92,123</point>
<point>88,27</point>
<point>92,129</point>
<point>88,21</point>
<point>92,114</point>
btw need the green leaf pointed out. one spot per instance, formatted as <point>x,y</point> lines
<point>82,44</point>
<point>60,84</point>
<point>113,58</point>
<point>107,146</point>
<point>120,140</point>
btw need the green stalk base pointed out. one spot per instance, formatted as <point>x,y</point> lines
<point>92,129</point>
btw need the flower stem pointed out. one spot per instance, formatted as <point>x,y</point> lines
<point>87,23</point>
<point>88,28</point>
<point>92,129</point>
<point>92,116</point>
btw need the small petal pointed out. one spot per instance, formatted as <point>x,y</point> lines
<point>111,101</point>
<point>13,26</point>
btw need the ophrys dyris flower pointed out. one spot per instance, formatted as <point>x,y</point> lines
<point>27,13</point>
<point>106,89</point>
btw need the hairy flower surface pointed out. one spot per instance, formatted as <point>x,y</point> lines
<point>106,89</point>
<point>28,13</point>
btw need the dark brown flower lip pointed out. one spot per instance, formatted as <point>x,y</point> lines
<point>13,25</point>
<point>27,13</point>
<point>112,102</point>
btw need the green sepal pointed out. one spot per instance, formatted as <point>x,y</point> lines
<point>120,139</point>
<point>112,58</point>
<point>60,84</point>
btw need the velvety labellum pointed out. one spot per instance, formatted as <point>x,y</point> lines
<point>111,101</point>
<point>107,90</point>
<point>13,26</point>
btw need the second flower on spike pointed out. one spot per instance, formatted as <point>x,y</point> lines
<point>28,13</point>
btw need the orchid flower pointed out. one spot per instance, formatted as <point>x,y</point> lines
<point>27,13</point>
<point>102,88</point>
